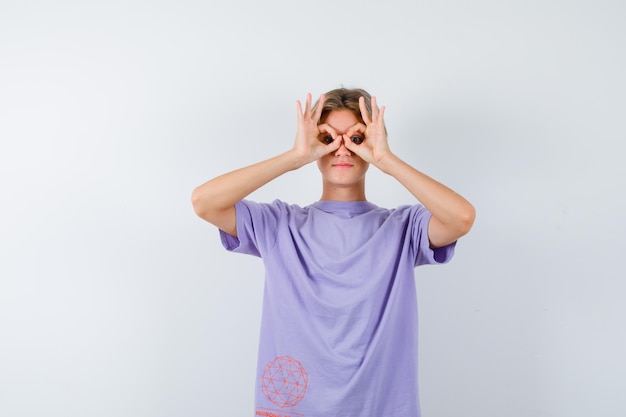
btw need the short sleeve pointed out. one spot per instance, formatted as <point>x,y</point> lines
<point>257,226</point>
<point>424,254</point>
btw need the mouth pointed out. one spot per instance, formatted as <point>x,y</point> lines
<point>343,165</point>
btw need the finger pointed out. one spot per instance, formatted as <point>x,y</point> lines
<point>307,109</point>
<point>357,128</point>
<point>381,120</point>
<point>334,145</point>
<point>325,131</point>
<point>374,109</point>
<point>324,128</point>
<point>319,107</point>
<point>299,109</point>
<point>364,113</point>
<point>345,139</point>
<point>329,147</point>
<point>380,113</point>
<point>352,147</point>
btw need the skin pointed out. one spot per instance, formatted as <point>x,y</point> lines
<point>343,165</point>
<point>343,172</point>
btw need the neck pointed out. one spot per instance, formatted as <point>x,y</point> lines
<point>347,193</point>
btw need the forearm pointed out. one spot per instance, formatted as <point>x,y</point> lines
<point>215,200</point>
<point>449,208</point>
<point>221,193</point>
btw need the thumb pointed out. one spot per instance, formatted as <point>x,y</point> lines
<point>351,146</point>
<point>334,145</point>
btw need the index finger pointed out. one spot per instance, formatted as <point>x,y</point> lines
<point>324,128</point>
<point>356,128</point>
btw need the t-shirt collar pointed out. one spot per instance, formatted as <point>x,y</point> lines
<point>349,208</point>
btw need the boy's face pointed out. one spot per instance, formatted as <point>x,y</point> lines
<point>342,167</point>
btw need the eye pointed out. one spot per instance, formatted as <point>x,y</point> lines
<point>327,139</point>
<point>357,140</point>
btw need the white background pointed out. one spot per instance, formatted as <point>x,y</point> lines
<point>116,300</point>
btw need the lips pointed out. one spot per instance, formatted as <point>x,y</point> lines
<point>343,165</point>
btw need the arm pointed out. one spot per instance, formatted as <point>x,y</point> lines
<point>214,201</point>
<point>452,215</point>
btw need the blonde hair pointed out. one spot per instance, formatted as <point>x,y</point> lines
<point>345,98</point>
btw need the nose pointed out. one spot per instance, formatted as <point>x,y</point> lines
<point>342,150</point>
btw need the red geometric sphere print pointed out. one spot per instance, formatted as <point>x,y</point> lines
<point>284,381</point>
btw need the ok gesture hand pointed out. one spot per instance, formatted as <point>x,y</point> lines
<point>374,148</point>
<point>308,145</point>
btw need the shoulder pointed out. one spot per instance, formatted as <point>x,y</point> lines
<point>287,207</point>
<point>414,211</point>
<point>276,207</point>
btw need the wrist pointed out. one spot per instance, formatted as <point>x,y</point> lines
<point>387,162</point>
<point>296,159</point>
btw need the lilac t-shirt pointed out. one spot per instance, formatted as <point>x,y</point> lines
<point>339,323</point>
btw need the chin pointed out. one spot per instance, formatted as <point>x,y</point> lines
<point>345,182</point>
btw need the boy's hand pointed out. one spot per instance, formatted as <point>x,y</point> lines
<point>312,140</point>
<point>374,147</point>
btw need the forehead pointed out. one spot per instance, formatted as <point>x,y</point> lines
<point>341,120</point>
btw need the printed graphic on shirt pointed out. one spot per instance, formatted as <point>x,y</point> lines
<point>284,381</point>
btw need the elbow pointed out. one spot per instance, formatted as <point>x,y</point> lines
<point>466,219</point>
<point>199,207</point>
<point>458,224</point>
